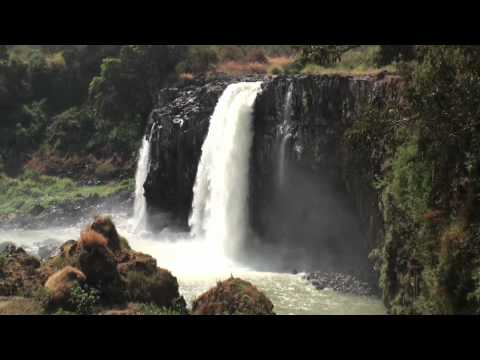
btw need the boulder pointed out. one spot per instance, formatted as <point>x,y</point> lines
<point>19,273</point>
<point>60,285</point>
<point>233,297</point>
<point>99,265</point>
<point>105,226</point>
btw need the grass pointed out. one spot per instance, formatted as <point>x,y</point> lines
<point>240,67</point>
<point>154,310</point>
<point>24,194</point>
<point>361,61</point>
<point>360,70</point>
<point>19,306</point>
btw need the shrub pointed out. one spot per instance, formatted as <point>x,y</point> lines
<point>200,59</point>
<point>231,53</point>
<point>84,299</point>
<point>105,170</point>
<point>42,296</point>
<point>257,55</point>
<point>3,262</point>
<point>388,54</point>
<point>276,71</point>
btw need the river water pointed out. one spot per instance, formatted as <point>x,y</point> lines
<point>198,267</point>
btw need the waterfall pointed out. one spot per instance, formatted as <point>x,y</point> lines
<point>139,220</point>
<point>285,134</point>
<point>220,205</point>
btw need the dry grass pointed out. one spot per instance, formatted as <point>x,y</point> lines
<point>19,306</point>
<point>345,71</point>
<point>90,239</point>
<point>236,68</point>
<point>280,62</point>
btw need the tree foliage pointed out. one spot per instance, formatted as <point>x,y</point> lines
<point>324,55</point>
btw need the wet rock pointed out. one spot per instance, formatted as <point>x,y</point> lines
<point>345,284</point>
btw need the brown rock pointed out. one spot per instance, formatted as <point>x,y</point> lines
<point>19,273</point>
<point>61,284</point>
<point>99,265</point>
<point>106,227</point>
<point>233,297</point>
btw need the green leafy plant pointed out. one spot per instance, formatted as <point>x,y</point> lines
<point>84,299</point>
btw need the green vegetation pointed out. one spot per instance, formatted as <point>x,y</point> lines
<point>154,310</point>
<point>32,191</point>
<point>140,286</point>
<point>429,261</point>
<point>3,261</point>
<point>345,60</point>
<point>67,99</point>
<point>84,300</point>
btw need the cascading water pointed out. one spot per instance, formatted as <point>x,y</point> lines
<point>219,218</point>
<point>219,210</point>
<point>139,220</point>
<point>285,133</point>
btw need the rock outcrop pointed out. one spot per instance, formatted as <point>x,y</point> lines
<point>303,196</point>
<point>19,272</point>
<point>233,297</point>
<point>61,284</point>
<point>100,262</point>
<point>180,124</point>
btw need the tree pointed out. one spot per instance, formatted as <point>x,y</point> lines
<point>323,55</point>
<point>390,53</point>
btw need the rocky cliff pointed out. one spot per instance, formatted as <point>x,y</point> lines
<point>304,194</point>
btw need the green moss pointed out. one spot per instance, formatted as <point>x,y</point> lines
<point>3,262</point>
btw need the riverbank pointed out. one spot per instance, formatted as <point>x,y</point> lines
<point>34,201</point>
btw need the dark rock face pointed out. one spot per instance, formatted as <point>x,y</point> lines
<point>180,125</point>
<point>315,205</point>
<point>327,216</point>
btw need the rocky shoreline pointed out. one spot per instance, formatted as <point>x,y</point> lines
<point>341,283</point>
<point>100,274</point>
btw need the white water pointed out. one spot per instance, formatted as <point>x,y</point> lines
<point>219,211</point>
<point>198,269</point>
<point>219,218</point>
<point>139,220</point>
